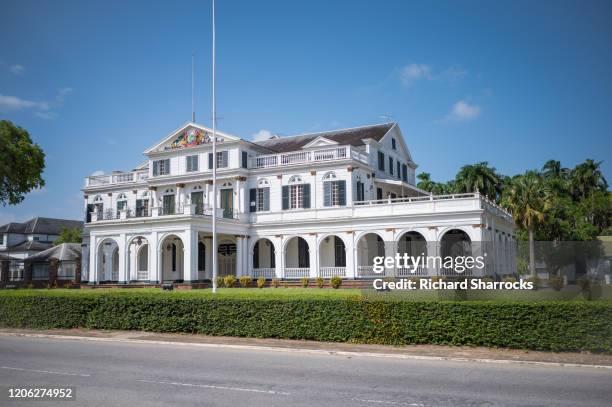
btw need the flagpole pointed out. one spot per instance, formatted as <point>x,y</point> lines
<point>214,151</point>
<point>192,87</point>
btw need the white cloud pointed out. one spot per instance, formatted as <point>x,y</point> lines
<point>46,115</point>
<point>62,93</point>
<point>463,111</point>
<point>262,135</point>
<point>8,102</point>
<point>454,73</point>
<point>17,69</point>
<point>413,72</point>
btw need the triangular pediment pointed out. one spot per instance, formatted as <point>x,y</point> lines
<point>320,142</point>
<point>187,136</point>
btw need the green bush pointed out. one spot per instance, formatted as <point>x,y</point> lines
<point>229,281</point>
<point>556,283</point>
<point>304,282</point>
<point>537,282</point>
<point>275,282</point>
<point>546,325</point>
<point>220,281</point>
<point>509,279</point>
<point>261,282</point>
<point>320,282</point>
<point>335,282</point>
<point>245,281</point>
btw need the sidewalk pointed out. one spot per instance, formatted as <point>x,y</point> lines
<point>426,352</point>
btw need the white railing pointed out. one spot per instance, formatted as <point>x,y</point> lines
<point>367,271</point>
<point>297,272</point>
<point>328,272</point>
<point>453,272</point>
<point>298,157</point>
<point>411,271</point>
<point>416,199</point>
<point>116,178</point>
<point>264,272</point>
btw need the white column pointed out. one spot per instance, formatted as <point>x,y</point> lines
<point>314,255</point>
<point>237,196</point>
<point>190,256</point>
<point>239,254</point>
<point>349,187</point>
<point>350,255</point>
<point>93,260</point>
<point>122,251</point>
<point>389,239</point>
<point>279,261</point>
<point>153,259</point>
<point>179,199</point>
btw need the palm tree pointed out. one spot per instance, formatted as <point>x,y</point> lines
<point>527,198</point>
<point>425,182</point>
<point>587,178</point>
<point>479,178</point>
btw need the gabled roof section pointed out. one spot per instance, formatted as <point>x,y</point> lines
<point>352,136</point>
<point>61,252</point>
<point>320,142</point>
<point>188,135</point>
<point>38,225</point>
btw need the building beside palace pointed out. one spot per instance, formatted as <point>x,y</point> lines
<point>321,204</point>
<point>19,241</point>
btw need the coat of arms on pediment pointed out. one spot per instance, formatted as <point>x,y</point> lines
<point>190,137</point>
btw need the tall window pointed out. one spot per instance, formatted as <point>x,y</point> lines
<point>245,159</point>
<point>360,191</point>
<point>161,167</point>
<point>404,173</point>
<point>334,191</point>
<point>391,165</point>
<point>1,239</point>
<point>192,163</point>
<point>121,202</point>
<point>222,160</point>
<point>399,172</point>
<point>393,145</point>
<point>296,194</point>
<point>259,198</point>
<point>381,161</point>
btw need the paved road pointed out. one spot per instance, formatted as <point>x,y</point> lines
<point>133,374</point>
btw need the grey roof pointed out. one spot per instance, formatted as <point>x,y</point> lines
<point>46,226</point>
<point>61,252</point>
<point>7,257</point>
<point>352,137</point>
<point>29,245</point>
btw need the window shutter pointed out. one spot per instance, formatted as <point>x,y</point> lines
<point>399,172</point>
<point>244,159</point>
<point>167,167</point>
<point>381,161</point>
<point>266,204</point>
<point>210,161</point>
<point>285,197</point>
<point>253,199</point>
<point>306,203</point>
<point>327,193</point>
<point>155,168</point>
<point>342,192</point>
<point>405,173</point>
<point>224,159</point>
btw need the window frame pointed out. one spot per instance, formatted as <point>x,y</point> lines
<point>190,160</point>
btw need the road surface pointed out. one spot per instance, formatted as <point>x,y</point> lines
<point>136,374</point>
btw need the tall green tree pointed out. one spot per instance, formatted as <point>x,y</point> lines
<point>587,178</point>
<point>479,177</point>
<point>21,164</point>
<point>527,198</point>
<point>73,235</point>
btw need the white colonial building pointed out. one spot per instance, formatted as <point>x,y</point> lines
<point>322,204</point>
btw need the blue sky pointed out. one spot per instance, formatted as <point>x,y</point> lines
<point>513,83</point>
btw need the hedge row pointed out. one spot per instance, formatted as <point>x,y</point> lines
<point>556,326</point>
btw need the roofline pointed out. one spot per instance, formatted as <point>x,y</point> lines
<point>337,130</point>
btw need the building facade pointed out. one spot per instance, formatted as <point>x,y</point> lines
<point>314,205</point>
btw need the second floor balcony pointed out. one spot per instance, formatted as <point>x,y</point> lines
<point>309,156</point>
<point>117,178</point>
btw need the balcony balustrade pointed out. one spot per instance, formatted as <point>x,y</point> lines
<point>300,157</point>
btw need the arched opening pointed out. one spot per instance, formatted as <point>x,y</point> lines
<point>172,259</point>
<point>455,245</point>
<point>332,257</point>
<point>414,245</point>
<point>138,259</point>
<point>108,261</point>
<point>264,259</point>
<point>297,258</point>
<point>369,246</point>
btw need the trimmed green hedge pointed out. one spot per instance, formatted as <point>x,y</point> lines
<point>556,326</point>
